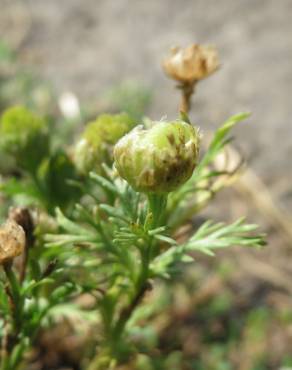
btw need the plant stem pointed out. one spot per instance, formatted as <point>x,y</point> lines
<point>156,208</point>
<point>187,89</point>
<point>12,339</point>
<point>4,348</point>
<point>112,351</point>
<point>16,296</point>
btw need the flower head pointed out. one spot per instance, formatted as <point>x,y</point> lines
<point>24,136</point>
<point>160,159</point>
<point>96,143</point>
<point>192,63</point>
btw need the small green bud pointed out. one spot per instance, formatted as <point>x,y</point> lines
<point>96,143</point>
<point>24,136</point>
<point>160,159</point>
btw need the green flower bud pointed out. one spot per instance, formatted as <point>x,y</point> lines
<point>160,159</point>
<point>24,136</point>
<point>96,143</point>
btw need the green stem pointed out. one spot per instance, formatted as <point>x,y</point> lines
<point>156,208</point>
<point>16,295</point>
<point>17,307</point>
<point>113,345</point>
<point>4,350</point>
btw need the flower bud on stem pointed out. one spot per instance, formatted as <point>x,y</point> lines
<point>188,66</point>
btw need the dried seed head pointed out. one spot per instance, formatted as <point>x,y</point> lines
<point>160,159</point>
<point>192,63</point>
<point>12,241</point>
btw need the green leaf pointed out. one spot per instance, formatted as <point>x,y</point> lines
<point>13,187</point>
<point>104,183</point>
<point>208,238</point>
<point>35,269</point>
<point>212,236</point>
<point>28,289</point>
<point>165,239</point>
<point>220,140</point>
<point>69,225</point>
<point>61,293</point>
<point>57,240</point>
<point>113,212</point>
<point>17,352</point>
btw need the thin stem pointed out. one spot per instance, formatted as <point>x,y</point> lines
<point>187,89</point>
<point>17,307</point>
<point>15,292</point>
<point>4,348</point>
<point>128,311</point>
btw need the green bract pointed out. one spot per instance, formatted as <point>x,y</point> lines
<point>96,143</point>
<point>24,136</point>
<point>160,159</point>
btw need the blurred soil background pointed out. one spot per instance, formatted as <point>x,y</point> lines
<point>90,47</point>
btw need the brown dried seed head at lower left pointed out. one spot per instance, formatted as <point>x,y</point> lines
<point>12,241</point>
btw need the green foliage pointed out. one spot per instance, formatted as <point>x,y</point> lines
<point>24,136</point>
<point>108,129</point>
<point>45,173</point>
<point>202,187</point>
<point>95,145</point>
<point>207,239</point>
<point>114,242</point>
<point>55,174</point>
<point>94,235</point>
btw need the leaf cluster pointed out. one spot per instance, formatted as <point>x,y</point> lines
<point>95,235</point>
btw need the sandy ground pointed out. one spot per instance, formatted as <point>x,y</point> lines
<point>87,46</point>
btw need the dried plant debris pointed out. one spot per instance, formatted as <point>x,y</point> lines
<point>12,241</point>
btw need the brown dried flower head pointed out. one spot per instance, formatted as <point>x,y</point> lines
<point>12,240</point>
<point>192,63</point>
